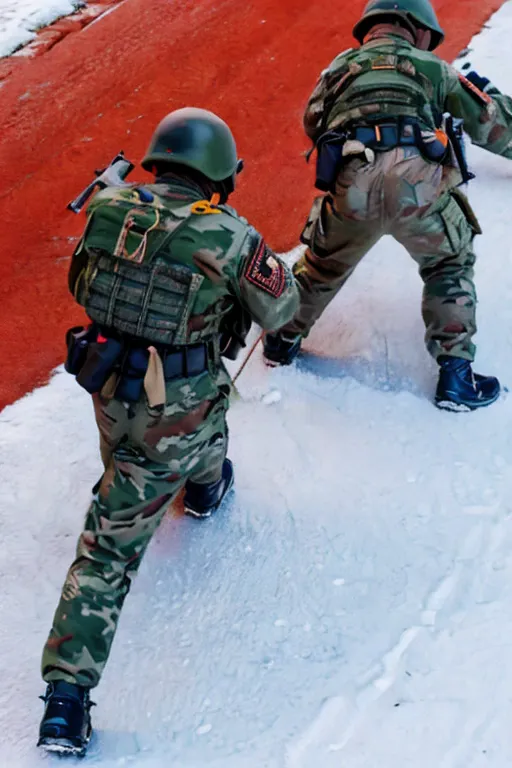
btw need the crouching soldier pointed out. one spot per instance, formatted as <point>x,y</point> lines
<point>171,278</point>
<point>386,121</point>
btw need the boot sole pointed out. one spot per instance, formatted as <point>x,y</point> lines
<point>205,515</point>
<point>450,405</point>
<point>198,515</point>
<point>278,363</point>
<point>61,747</point>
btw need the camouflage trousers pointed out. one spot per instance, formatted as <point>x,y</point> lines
<point>403,195</point>
<point>148,458</point>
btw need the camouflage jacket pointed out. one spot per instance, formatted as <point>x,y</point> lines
<point>160,263</point>
<point>387,76</point>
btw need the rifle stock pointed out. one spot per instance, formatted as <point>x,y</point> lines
<point>113,175</point>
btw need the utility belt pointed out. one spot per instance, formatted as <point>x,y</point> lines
<point>384,136</point>
<point>335,148</point>
<point>95,354</point>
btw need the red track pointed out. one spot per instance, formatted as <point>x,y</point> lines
<point>104,88</point>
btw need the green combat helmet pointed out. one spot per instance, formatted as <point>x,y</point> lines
<point>411,11</point>
<point>195,138</point>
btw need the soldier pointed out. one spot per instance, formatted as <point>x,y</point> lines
<point>385,121</point>
<point>171,278</point>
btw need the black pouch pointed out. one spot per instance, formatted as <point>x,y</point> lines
<point>104,356</point>
<point>234,329</point>
<point>78,339</point>
<point>329,159</point>
<point>131,380</point>
<point>434,150</point>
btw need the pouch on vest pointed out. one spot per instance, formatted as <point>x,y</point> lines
<point>433,145</point>
<point>329,159</point>
<point>104,356</point>
<point>131,380</point>
<point>78,339</point>
<point>131,283</point>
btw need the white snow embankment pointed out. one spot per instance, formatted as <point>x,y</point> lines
<point>20,19</point>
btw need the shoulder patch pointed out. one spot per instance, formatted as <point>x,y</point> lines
<point>266,272</point>
<point>483,98</point>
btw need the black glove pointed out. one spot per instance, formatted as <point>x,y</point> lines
<point>482,83</point>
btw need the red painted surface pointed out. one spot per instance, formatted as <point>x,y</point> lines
<point>104,88</point>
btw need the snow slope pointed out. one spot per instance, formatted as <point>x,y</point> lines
<point>20,18</point>
<point>351,605</point>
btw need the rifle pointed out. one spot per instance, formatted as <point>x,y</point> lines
<point>112,175</point>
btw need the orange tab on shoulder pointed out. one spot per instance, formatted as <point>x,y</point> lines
<point>477,94</point>
<point>204,208</point>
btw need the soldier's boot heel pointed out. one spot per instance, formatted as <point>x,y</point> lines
<point>280,349</point>
<point>459,389</point>
<point>202,500</point>
<point>66,725</point>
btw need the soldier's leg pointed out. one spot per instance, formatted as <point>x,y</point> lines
<point>337,245</point>
<point>145,473</point>
<point>212,478</point>
<point>132,500</point>
<point>441,242</point>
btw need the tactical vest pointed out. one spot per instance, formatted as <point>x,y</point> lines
<point>141,254</point>
<point>377,81</point>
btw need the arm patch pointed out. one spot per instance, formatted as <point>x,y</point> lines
<point>265,271</point>
<point>483,98</point>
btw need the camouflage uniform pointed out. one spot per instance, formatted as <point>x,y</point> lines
<point>208,259</point>
<point>398,191</point>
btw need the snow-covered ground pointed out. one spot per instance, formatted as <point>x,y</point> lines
<point>20,18</point>
<point>351,607</point>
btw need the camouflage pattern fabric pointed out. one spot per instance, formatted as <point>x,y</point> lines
<point>169,270</point>
<point>177,430</point>
<point>397,191</point>
<point>402,195</point>
<point>150,460</point>
<point>384,77</point>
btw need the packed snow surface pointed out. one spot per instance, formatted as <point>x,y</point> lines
<point>20,18</point>
<point>351,606</point>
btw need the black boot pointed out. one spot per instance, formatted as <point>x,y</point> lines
<point>459,389</point>
<point>280,349</point>
<point>66,724</point>
<point>202,500</point>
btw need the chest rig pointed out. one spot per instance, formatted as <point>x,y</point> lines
<point>374,83</point>
<point>140,275</point>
